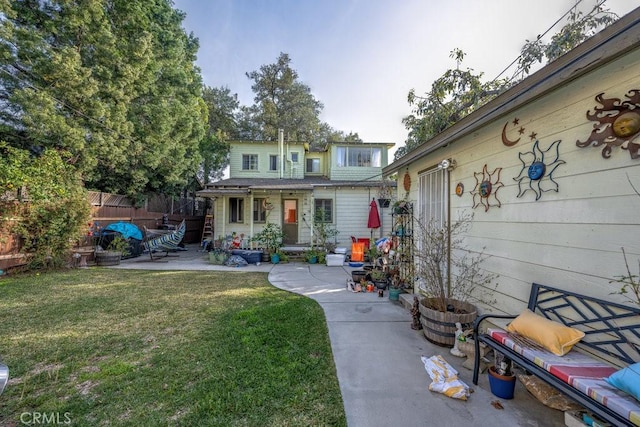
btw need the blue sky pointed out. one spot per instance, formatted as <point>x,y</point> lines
<point>361,57</point>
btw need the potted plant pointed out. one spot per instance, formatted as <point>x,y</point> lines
<point>379,278</point>
<point>270,238</point>
<point>117,248</point>
<point>449,274</point>
<point>314,256</point>
<point>385,192</point>
<point>402,207</point>
<point>323,232</point>
<point>279,256</point>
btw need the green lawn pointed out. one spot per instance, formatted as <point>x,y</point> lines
<point>122,347</point>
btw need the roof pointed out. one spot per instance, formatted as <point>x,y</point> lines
<point>243,186</point>
<point>612,42</point>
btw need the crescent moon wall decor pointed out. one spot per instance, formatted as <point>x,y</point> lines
<point>485,192</point>
<point>617,124</point>
<point>537,169</point>
<point>505,140</point>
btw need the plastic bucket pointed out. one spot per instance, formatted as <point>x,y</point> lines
<point>501,386</point>
<point>357,252</point>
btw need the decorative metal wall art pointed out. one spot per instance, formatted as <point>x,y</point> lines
<point>485,192</point>
<point>459,189</point>
<point>406,182</point>
<point>505,140</point>
<point>537,169</point>
<point>617,124</point>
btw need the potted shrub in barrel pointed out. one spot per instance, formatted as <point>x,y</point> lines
<point>449,274</point>
<point>270,239</point>
<point>117,248</point>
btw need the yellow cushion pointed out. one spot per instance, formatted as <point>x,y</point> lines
<point>554,336</point>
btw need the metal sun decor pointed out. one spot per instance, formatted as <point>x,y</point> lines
<point>485,192</point>
<point>617,124</point>
<point>537,169</point>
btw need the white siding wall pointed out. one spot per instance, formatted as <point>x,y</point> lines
<point>570,239</point>
<point>264,150</point>
<point>351,212</point>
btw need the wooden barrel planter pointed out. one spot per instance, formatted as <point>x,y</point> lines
<point>106,258</point>
<point>439,327</point>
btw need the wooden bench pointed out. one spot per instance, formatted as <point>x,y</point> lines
<point>611,342</point>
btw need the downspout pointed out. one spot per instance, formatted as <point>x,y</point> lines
<point>281,149</point>
<point>447,214</point>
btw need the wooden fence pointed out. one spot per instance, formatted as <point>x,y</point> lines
<point>107,208</point>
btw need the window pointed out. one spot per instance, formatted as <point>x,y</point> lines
<point>250,162</point>
<point>236,209</point>
<point>432,201</point>
<point>273,162</point>
<point>294,157</point>
<point>259,210</point>
<point>359,156</point>
<point>313,165</point>
<point>324,210</point>
<point>433,197</point>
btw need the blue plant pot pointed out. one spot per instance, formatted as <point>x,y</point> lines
<point>275,258</point>
<point>501,386</point>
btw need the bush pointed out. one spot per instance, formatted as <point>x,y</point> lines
<point>50,203</point>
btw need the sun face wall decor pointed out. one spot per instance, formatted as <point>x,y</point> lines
<point>485,192</point>
<point>537,169</point>
<point>617,124</point>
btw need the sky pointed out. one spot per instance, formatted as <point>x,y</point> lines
<point>360,58</point>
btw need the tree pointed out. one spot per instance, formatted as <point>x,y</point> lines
<point>459,92</point>
<point>111,85</point>
<point>223,107</point>
<point>454,95</point>
<point>281,102</point>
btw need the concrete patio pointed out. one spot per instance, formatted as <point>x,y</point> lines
<point>377,355</point>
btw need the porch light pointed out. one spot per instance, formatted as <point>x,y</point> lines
<point>447,164</point>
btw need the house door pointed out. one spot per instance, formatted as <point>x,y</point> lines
<point>290,221</point>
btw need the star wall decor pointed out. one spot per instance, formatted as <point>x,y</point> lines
<point>537,169</point>
<point>617,124</point>
<point>485,192</point>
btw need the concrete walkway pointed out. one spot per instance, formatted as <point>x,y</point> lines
<point>377,354</point>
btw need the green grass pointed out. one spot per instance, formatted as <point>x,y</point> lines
<point>122,347</point>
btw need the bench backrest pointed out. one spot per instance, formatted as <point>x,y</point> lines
<point>612,330</point>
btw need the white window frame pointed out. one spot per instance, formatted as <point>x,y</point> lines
<point>433,200</point>
<point>359,157</point>
<point>249,162</point>
<point>315,165</point>
<point>274,164</point>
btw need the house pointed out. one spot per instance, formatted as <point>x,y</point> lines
<point>288,183</point>
<point>548,170</point>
